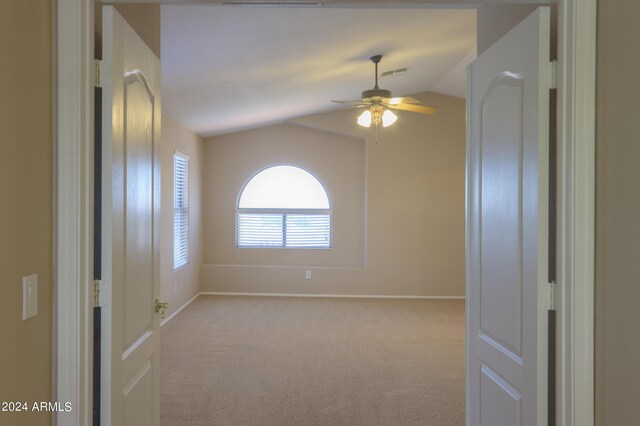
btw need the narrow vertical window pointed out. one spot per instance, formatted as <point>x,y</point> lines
<point>180,210</point>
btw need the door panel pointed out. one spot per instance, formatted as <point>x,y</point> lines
<point>508,113</point>
<point>501,226</point>
<point>138,226</point>
<point>500,403</point>
<point>130,217</point>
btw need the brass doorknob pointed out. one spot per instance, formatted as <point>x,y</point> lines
<point>161,307</point>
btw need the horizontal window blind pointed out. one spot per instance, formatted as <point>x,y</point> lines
<point>180,210</point>
<point>305,230</point>
<point>285,230</point>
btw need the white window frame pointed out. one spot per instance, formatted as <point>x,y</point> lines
<point>180,206</point>
<point>284,214</point>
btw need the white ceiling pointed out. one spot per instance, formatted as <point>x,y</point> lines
<point>226,69</point>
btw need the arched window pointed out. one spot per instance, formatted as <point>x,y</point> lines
<point>286,207</point>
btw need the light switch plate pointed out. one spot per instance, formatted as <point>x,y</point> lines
<point>29,296</point>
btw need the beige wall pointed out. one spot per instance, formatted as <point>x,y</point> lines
<point>26,194</point>
<point>178,286</point>
<point>336,160</point>
<point>495,20</point>
<point>414,205</point>
<point>145,20</point>
<point>618,214</point>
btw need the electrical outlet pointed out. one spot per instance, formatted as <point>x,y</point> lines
<point>307,275</point>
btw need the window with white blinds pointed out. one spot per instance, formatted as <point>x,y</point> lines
<point>283,207</point>
<point>180,210</point>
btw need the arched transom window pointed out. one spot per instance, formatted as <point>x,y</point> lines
<point>283,206</point>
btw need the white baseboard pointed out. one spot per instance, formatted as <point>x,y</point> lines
<point>338,296</point>
<point>170,317</point>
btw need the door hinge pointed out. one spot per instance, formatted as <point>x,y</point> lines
<point>552,74</point>
<point>101,293</point>
<point>96,66</point>
<point>102,73</point>
<point>551,288</point>
<point>96,293</point>
<point>104,296</point>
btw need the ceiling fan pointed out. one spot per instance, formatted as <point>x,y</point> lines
<point>379,101</point>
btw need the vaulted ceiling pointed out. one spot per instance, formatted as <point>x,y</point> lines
<point>231,68</point>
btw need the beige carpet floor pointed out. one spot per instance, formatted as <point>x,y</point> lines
<point>267,361</point>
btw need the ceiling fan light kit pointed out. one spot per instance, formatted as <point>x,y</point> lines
<point>365,119</point>
<point>380,101</point>
<point>388,118</point>
<point>376,115</point>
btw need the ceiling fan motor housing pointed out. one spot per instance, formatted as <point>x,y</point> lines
<point>375,94</point>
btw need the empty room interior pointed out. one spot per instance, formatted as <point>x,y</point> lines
<point>312,260</point>
<point>366,329</point>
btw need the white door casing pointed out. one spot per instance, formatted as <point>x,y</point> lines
<point>507,220</point>
<point>130,226</point>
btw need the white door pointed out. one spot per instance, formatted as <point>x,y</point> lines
<point>130,208</point>
<point>507,225</point>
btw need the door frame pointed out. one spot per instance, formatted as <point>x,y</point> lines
<point>74,74</point>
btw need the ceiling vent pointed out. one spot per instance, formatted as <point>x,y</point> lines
<point>399,71</point>
<point>272,3</point>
